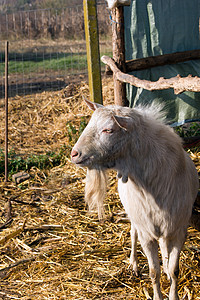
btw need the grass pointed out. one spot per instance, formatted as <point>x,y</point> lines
<point>188,130</point>
<point>55,62</point>
<point>61,62</point>
<point>43,161</point>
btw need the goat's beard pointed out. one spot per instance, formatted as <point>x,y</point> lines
<point>95,190</point>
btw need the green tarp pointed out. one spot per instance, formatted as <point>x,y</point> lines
<point>156,27</point>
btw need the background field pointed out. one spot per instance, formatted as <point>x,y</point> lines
<point>47,45</point>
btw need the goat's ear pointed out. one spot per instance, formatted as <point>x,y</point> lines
<point>123,122</point>
<point>92,105</point>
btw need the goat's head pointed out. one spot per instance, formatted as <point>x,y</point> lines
<point>103,140</point>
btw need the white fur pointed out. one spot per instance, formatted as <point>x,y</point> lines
<point>93,196</point>
<point>157,184</point>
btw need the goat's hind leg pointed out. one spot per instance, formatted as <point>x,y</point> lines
<point>163,243</point>
<point>133,257</point>
<point>175,246</point>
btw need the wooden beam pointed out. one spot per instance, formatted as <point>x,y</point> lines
<point>160,60</point>
<point>92,46</point>
<point>178,83</point>
<point>119,54</point>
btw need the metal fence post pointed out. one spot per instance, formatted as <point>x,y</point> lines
<point>6,111</point>
<point>92,45</point>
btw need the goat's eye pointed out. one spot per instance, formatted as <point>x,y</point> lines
<point>107,130</point>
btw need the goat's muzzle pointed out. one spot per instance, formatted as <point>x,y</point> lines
<point>78,158</point>
<point>75,155</point>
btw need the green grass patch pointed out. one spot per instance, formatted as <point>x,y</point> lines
<point>188,130</point>
<point>54,62</point>
<point>77,62</point>
<point>43,161</point>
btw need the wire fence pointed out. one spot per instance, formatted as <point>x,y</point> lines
<point>47,48</point>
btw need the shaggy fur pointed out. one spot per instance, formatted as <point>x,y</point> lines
<point>157,184</point>
<point>95,190</point>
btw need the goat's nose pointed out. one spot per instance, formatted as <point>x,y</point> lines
<point>74,154</point>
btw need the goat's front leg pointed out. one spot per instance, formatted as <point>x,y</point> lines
<point>133,257</point>
<point>150,248</point>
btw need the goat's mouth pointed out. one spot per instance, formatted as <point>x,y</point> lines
<point>89,163</point>
<point>82,161</point>
<point>92,161</point>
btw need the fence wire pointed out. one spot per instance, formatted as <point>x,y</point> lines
<point>47,48</point>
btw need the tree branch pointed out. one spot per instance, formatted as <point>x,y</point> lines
<point>178,83</point>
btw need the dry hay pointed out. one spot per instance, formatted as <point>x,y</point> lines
<point>55,249</point>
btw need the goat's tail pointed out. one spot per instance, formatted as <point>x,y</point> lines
<point>95,190</point>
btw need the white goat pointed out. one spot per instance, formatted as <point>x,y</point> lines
<point>158,182</point>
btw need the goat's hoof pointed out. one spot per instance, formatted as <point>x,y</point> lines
<point>134,270</point>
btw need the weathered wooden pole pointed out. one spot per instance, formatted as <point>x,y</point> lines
<point>119,54</point>
<point>92,46</point>
<point>6,111</point>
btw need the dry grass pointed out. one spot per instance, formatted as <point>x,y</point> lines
<point>55,249</point>
<point>54,46</point>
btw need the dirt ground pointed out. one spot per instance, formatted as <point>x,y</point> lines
<point>51,247</point>
<point>35,83</point>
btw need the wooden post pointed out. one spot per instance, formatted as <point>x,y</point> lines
<point>119,54</point>
<point>6,111</point>
<point>92,45</point>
